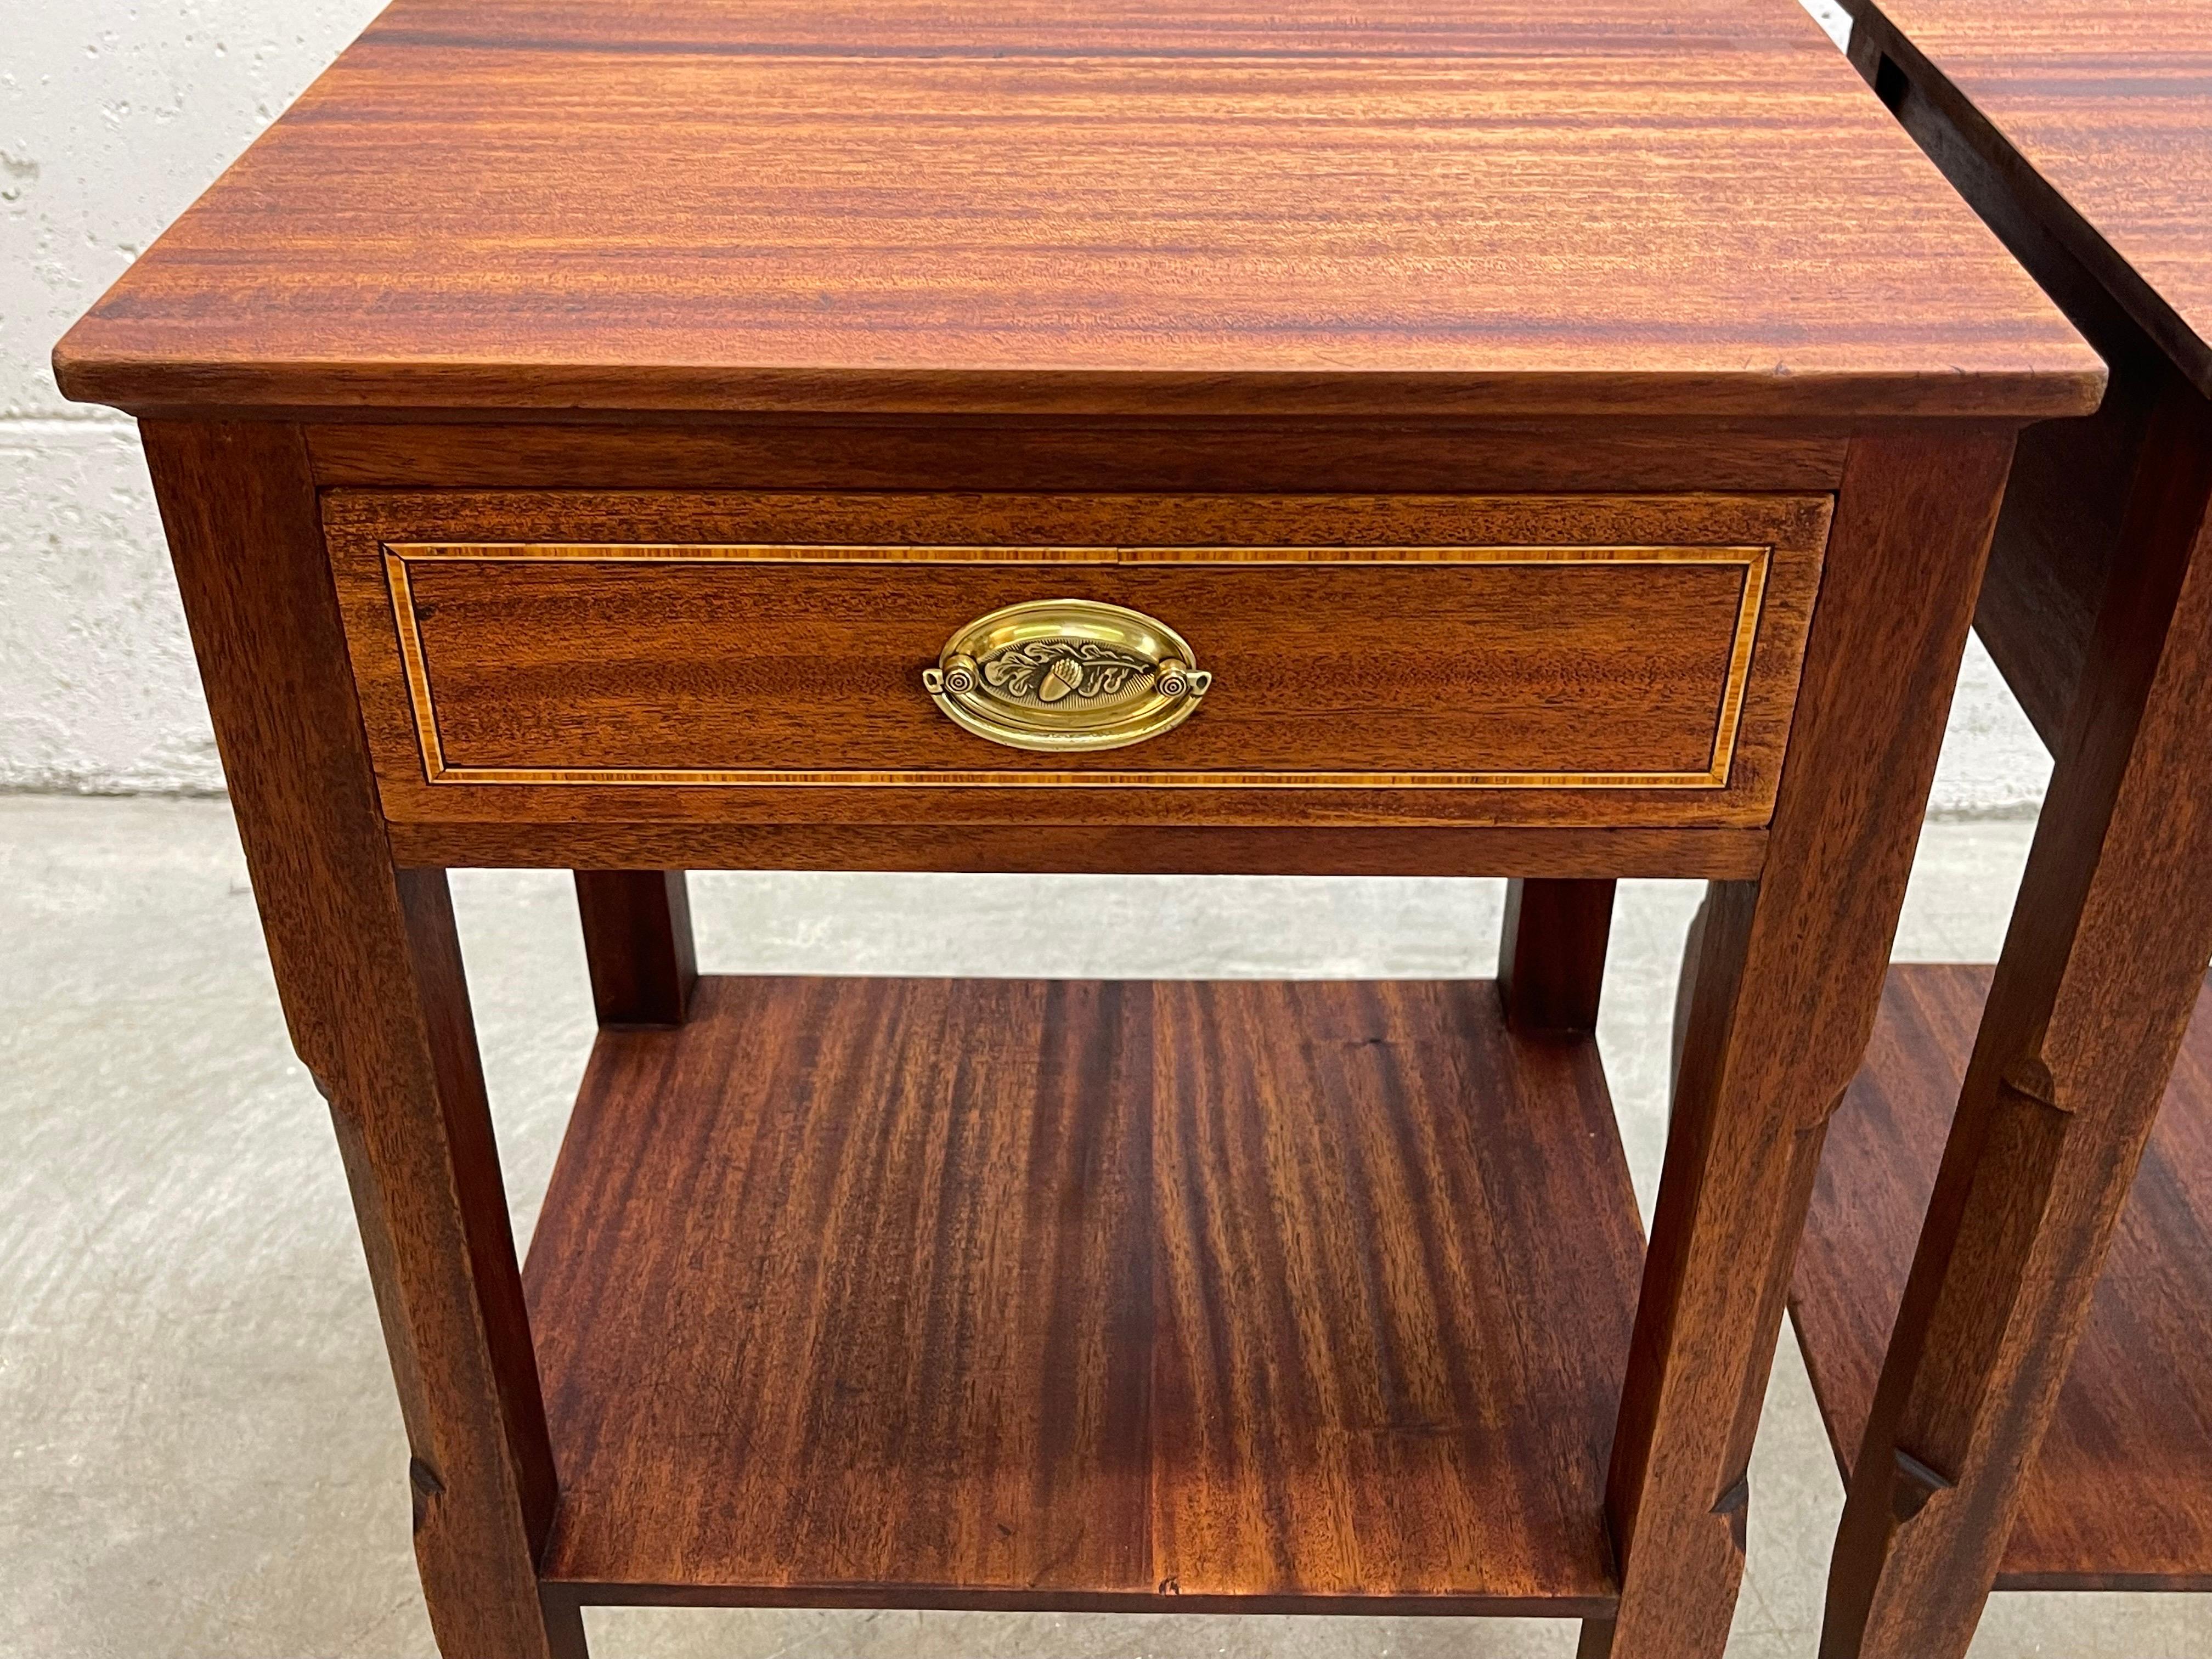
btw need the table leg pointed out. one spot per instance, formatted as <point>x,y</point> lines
<point>637,938</point>
<point>2100,970</point>
<point>1785,986</point>
<point>1551,962</point>
<point>1686,986</point>
<point>369,972</point>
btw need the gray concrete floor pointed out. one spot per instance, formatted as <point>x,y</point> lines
<point>203,1455</point>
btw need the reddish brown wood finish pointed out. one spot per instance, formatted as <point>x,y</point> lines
<point>1641,206</point>
<point>637,940</point>
<point>2097,107</point>
<point>1777,1026</point>
<point>1551,962</point>
<point>572,666</point>
<point>369,971</point>
<point>1619,456</point>
<point>2075,129</point>
<point>1049,849</point>
<point>1362,667</point>
<point>2119,1495</point>
<point>1302,1248</point>
<point>2050,557</point>
<point>2101,969</point>
<point>995,1293</point>
<point>2061,524</point>
<point>1907,502</point>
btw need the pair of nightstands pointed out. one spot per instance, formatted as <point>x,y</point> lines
<point>1551,444</point>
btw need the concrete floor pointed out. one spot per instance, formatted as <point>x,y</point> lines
<point>203,1454</point>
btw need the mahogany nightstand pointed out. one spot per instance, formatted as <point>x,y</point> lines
<point>1538,441</point>
<point>2019,1388</point>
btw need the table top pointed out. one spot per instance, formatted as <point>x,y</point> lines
<point>1410,207</point>
<point>2109,102</point>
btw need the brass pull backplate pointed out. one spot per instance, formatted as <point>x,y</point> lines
<point>1065,675</point>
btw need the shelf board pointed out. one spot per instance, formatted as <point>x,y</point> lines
<point>1057,1295</point>
<point>2117,1500</point>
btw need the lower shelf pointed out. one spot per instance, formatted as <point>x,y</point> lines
<point>1055,1294</point>
<point>2118,1498</point>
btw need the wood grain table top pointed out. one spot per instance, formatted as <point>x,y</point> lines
<point>1404,208</point>
<point>2110,103</point>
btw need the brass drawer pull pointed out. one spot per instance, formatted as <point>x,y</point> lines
<point>1066,674</point>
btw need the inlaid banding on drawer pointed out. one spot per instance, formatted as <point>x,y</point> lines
<point>1439,629</point>
<point>760,656</point>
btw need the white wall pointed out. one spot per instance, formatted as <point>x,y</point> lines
<point>113,115</point>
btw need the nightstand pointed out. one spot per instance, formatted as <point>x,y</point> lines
<point>1550,443</point>
<point>2010,1357</point>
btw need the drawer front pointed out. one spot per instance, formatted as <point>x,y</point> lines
<point>1565,660</point>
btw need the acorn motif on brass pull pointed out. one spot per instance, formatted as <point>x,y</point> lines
<point>1066,675</point>
<point>1049,669</point>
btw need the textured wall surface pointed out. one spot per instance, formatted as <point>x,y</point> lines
<point>113,115</point>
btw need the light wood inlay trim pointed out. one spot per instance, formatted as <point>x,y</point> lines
<point>1753,561</point>
<point>411,656</point>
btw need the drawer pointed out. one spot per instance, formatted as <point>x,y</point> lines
<point>1433,659</point>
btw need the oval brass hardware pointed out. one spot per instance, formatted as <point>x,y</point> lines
<point>1061,675</point>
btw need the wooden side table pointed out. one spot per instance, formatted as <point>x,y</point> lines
<point>2030,1424</point>
<point>1559,443</point>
